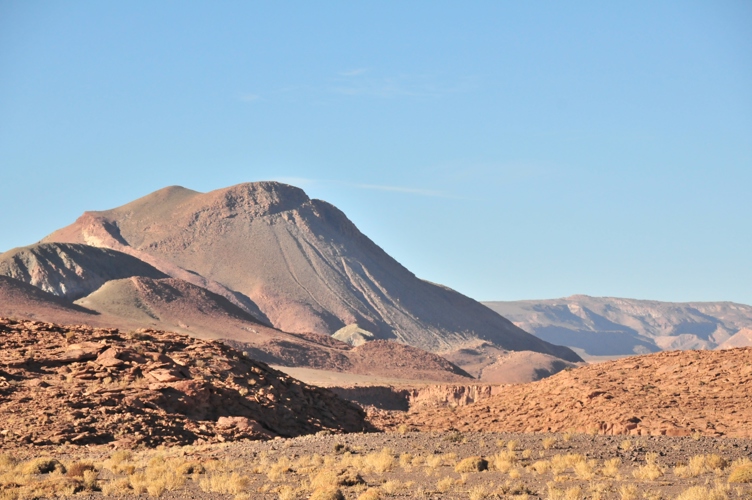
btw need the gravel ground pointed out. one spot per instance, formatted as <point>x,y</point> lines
<point>288,468</point>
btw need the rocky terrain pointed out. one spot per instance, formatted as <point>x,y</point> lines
<point>295,262</point>
<point>84,386</point>
<point>175,305</point>
<point>608,326</point>
<point>675,393</point>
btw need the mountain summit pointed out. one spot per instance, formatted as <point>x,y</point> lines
<point>296,262</point>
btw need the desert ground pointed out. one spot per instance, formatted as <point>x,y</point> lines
<point>443,465</point>
<point>94,413</point>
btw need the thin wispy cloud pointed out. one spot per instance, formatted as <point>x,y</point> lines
<point>307,182</point>
<point>354,72</point>
<point>405,190</point>
<point>249,97</point>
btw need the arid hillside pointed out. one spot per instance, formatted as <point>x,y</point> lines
<point>670,393</point>
<point>174,305</point>
<point>298,263</point>
<point>81,386</point>
<point>71,271</point>
<point>608,326</point>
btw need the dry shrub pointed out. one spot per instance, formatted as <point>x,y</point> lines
<point>189,468</point>
<point>380,462</point>
<point>504,460</point>
<point>445,484</point>
<point>370,494</point>
<point>651,470</point>
<point>548,443</point>
<point>117,487</point>
<point>77,469</point>
<point>327,494</point>
<point>700,464</point>
<point>392,487</point>
<point>406,460</point>
<point>703,493</point>
<point>584,469</point>
<point>626,445</point>
<point>554,492</point>
<point>628,492</point>
<point>648,472</point>
<point>512,445</point>
<point>7,463</point>
<point>573,493</point>
<point>598,490</point>
<point>741,474</point>
<point>42,465</point>
<point>229,484</point>
<point>120,463</point>
<point>541,466</point>
<point>472,464</point>
<point>526,454</point>
<point>560,463</point>
<point>514,474</point>
<point>279,469</point>
<point>611,467</point>
<point>478,492</point>
<point>434,461</point>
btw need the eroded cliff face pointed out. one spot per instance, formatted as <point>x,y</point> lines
<point>398,398</point>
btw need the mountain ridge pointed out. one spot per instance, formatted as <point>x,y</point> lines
<point>619,326</point>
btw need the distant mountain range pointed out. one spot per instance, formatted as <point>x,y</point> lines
<point>608,326</point>
<point>259,264</point>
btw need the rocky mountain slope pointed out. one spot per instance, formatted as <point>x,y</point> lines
<point>674,393</point>
<point>604,326</point>
<point>296,262</point>
<point>174,305</point>
<point>81,386</point>
<point>71,271</point>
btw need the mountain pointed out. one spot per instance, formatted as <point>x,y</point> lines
<point>297,263</point>
<point>71,270</point>
<point>607,326</point>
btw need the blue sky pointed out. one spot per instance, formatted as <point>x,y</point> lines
<point>510,150</point>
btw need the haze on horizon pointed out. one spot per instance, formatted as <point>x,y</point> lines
<point>507,150</point>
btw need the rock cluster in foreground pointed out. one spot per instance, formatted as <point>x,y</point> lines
<point>82,386</point>
<point>671,393</point>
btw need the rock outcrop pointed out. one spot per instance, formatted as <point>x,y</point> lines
<point>671,393</point>
<point>81,386</point>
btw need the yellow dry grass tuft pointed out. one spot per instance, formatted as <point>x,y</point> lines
<point>548,443</point>
<point>472,464</point>
<point>504,460</point>
<point>611,467</point>
<point>226,483</point>
<point>741,474</point>
<point>370,494</point>
<point>380,462</point>
<point>445,484</point>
